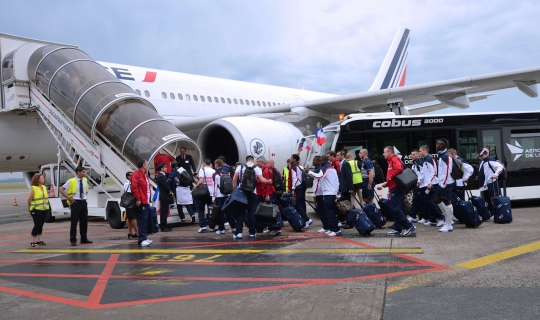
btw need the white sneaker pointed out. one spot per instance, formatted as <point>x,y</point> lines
<point>322,230</point>
<point>445,228</point>
<point>327,232</point>
<point>220,232</point>
<point>150,241</point>
<point>427,223</point>
<point>339,224</point>
<point>232,230</point>
<point>309,222</point>
<point>201,230</point>
<point>274,233</point>
<point>412,220</point>
<point>440,223</point>
<point>266,230</point>
<point>422,221</point>
<point>226,224</point>
<point>145,243</point>
<point>238,236</point>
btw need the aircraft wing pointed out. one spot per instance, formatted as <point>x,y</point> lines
<point>449,93</point>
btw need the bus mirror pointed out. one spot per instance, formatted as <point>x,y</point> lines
<point>345,128</point>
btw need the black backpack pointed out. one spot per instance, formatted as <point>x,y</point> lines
<point>307,180</point>
<point>278,181</point>
<point>184,178</point>
<point>249,178</point>
<point>379,175</point>
<point>457,169</point>
<point>225,184</point>
<point>503,175</point>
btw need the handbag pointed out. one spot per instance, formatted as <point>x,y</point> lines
<point>201,191</point>
<point>214,213</point>
<point>406,180</point>
<point>344,206</point>
<point>235,203</point>
<point>127,200</point>
<point>267,212</point>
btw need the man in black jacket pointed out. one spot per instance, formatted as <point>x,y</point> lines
<point>346,187</point>
<point>165,196</point>
<point>186,161</point>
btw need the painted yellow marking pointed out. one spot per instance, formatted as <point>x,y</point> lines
<point>209,259</point>
<point>153,271</point>
<point>499,256</point>
<point>218,251</point>
<point>182,257</point>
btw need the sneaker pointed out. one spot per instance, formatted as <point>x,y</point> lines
<point>182,220</point>
<point>339,224</point>
<point>408,232</point>
<point>333,234</point>
<point>309,222</point>
<point>274,233</point>
<point>201,230</point>
<point>266,230</point>
<point>428,224</point>
<point>226,224</point>
<point>193,219</point>
<point>439,223</point>
<point>145,243</point>
<point>237,236</point>
<point>150,241</point>
<point>412,220</point>
<point>423,221</point>
<point>327,232</point>
<point>171,206</point>
<point>252,236</point>
<point>220,232</point>
<point>445,228</point>
<point>322,230</point>
<point>212,230</point>
<point>232,230</point>
<point>394,233</point>
<point>492,218</point>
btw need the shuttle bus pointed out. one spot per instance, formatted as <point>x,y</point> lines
<point>513,138</point>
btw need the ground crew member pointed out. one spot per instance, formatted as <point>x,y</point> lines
<point>76,192</point>
<point>286,177</point>
<point>38,204</point>
<point>356,176</point>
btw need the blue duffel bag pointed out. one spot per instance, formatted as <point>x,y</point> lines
<point>360,221</point>
<point>375,215</point>
<point>293,217</point>
<point>236,203</point>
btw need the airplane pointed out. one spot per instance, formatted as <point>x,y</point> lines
<point>235,118</point>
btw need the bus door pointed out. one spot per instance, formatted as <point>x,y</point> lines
<point>468,148</point>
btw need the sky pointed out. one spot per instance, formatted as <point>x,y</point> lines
<point>328,46</point>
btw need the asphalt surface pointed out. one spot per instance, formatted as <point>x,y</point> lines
<point>486,273</point>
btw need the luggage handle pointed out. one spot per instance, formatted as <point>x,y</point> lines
<point>358,201</point>
<point>496,188</point>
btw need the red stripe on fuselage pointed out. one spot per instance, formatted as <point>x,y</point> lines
<point>150,76</point>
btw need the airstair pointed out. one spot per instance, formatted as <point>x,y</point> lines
<point>98,122</point>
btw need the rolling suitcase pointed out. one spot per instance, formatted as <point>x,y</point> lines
<point>375,215</point>
<point>152,221</point>
<point>502,209</point>
<point>360,221</point>
<point>481,207</point>
<point>384,205</point>
<point>465,212</point>
<point>276,225</point>
<point>293,217</point>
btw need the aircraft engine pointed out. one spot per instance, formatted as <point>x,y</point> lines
<point>237,137</point>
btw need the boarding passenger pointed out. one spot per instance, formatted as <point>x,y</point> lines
<point>268,193</point>
<point>76,192</point>
<point>38,205</point>
<point>172,181</point>
<point>356,177</point>
<point>419,191</point>
<point>432,215</point>
<point>131,215</point>
<point>240,173</point>
<point>488,171</point>
<point>297,188</point>
<point>142,191</point>
<point>325,191</point>
<point>461,184</point>
<point>368,177</point>
<point>218,198</point>
<point>333,161</point>
<point>184,199</point>
<point>446,184</point>
<point>205,175</point>
<point>165,197</point>
<point>402,226</point>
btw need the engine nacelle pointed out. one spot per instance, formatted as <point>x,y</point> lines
<point>237,137</point>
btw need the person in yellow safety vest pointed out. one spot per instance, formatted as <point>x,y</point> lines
<point>76,192</point>
<point>286,177</point>
<point>38,205</point>
<point>357,177</point>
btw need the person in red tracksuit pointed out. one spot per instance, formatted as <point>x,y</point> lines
<point>142,191</point>
<point>402,226</point>
<point>333,161</point>
<point>163,158</point>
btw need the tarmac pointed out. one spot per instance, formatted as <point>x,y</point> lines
<point>485,273</point>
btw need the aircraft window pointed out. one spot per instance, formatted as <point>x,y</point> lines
<point>209,99</point>
<point>235,101</point>
<point>202,98</point>
<point>195,98</point>
<point>274,103</point>
<point>172,95</point>
<point>222,100</point>
<point>146,93</point>
<point>164,95</point>
<point>216,100</point>
<point>187,97</point>
<point>259,103</point>
<point>247,102</point>
<point>241,102</point>
<point>138,91</point>
<point>264,103</point>
<point>252,103</point>
<point>180,97</point>
<point>229,100</point>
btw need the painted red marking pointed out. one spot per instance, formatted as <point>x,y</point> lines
<point>402,81</point>
<point>78,139</point>
<point>150,76</point>
<point>40,100</point>
<point>99,288</point>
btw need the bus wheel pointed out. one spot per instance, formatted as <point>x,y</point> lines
<point>115,216</point>
<point>49,217</point>
<point>408,202</point>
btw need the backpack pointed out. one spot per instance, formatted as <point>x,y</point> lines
<point>307,180</point>
<point>225,183</point>
<point>277,181</point>
<point>379,175</point>
<point>457,169</point>
<point>184,178</point>
<point>503,175</point>
<point>249,178</point>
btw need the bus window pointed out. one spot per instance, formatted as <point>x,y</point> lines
<point>491,139</point>
<point>468,146</point>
